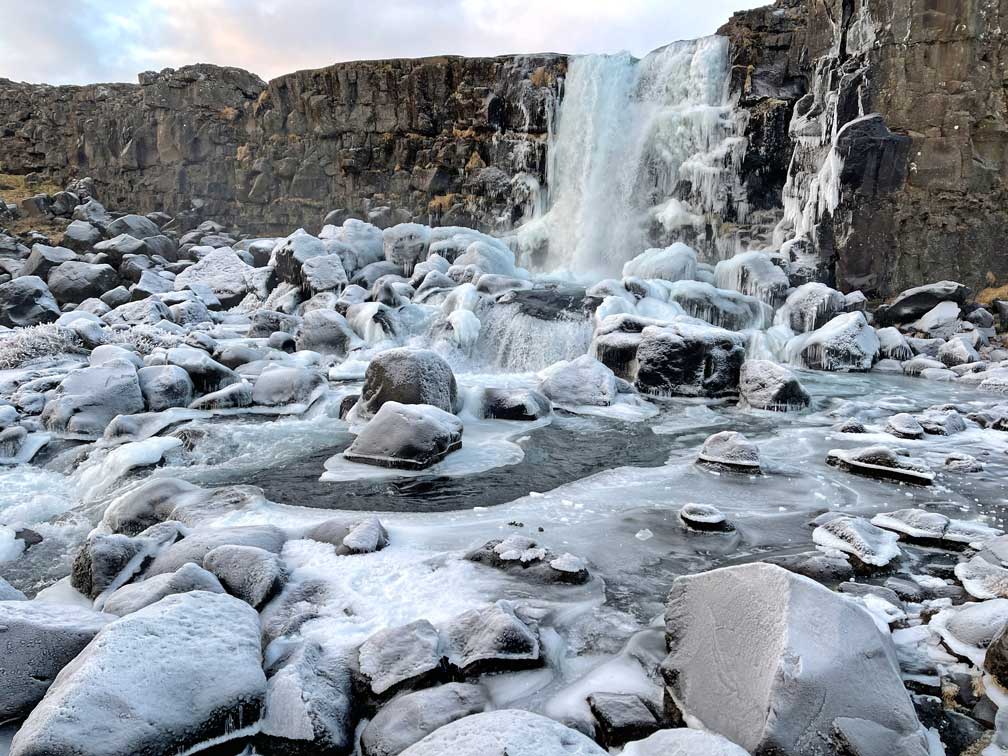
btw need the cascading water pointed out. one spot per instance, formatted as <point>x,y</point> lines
<point>644,152</point>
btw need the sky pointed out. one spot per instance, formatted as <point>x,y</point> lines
<point>88,41</point>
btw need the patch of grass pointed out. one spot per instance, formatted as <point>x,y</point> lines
<point>988,295</point>
<point>15,188</point>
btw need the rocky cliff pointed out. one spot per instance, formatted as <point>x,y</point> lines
<point>882,126</point>
<point>876,160</point>
<point>443,140</point>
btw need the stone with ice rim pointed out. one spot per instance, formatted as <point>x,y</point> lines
<point>968,630</point>
<point>408,377</point>
<point>882,462</point>
<point>730,450</point>
<point>506,732</point>
<point>172,675</point>
<point>775,661</point>
<point>846,342</point>
<point>924,526</point>
<point>583,381</point>
<point>904,425</point>
<point>767,385</point>
<point>704,517</point>
<point>859,538</point>
<point>983,579</point>
<point>406,436</point>
<point>809,307</point>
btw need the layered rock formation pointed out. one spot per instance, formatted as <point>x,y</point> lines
<point>916,194</point>
<point>447,140</point>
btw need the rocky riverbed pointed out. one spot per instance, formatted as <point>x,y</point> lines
<point>384,490</point>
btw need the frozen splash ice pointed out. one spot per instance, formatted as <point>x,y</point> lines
<point>642,146</point>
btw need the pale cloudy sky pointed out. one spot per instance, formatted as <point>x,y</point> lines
<point>84,41</point>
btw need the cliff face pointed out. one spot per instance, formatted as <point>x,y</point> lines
<point>443,140</point>
<point>881,203</point>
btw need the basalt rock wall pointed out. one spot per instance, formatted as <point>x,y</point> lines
<point>918,193</point>
<point>442,140</point>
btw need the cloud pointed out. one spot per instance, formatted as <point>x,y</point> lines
<point>112,40</point>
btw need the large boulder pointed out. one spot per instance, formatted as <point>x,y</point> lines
<point>165,386</point>
<point>686,359</point>
<point>579,382</point>
<point>912,303</point>
<point>290,256</point>
<point>206,373</point>
<point>37,640</point>
<point>779,664</point>
<point>406,245</point>
<point>135,596</point>
<point>86,400</point>
<point>406,436</point>
<point>81,236</point>
<point>76,281</point>
<point>279,386</point>
<point>410,718</point>
<point>27,301</point>
<point>326,332</point>
<point>767,385</point>
<point>507,732</point>
<point>158,681</point>
<point>846,342</point>
<point>408,377</point>
<point>44,258</point>
<point>399,658</point>
<point>137,226</point>
<point>252,574</point>
<point>223,272</point>
<point>195,547</point>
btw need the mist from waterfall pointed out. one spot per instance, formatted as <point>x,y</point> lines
<point>643,152</point>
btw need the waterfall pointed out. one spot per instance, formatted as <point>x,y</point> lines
<point>644,152</point>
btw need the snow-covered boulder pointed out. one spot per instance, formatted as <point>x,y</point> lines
<point>399,658</point>
<point>893,345</point>
<point>291,254</point>
<point>933,527</point>
<point>194,547</point>
<point>809,307</point>
<point>773,661</point>
<point>223,272</point>
<point>489,256</point>
<point>754,274</point>
<point>135,596</point>
<point>38,639</point>
<point>492,639</point>
<point>687,359</point>
<point>27,301</point>
<point>675,263</point>
<point>730,450</point>
<point>846,342</point>
<point>767,385</point>
<point>408,376</point>
<point>904,425</point>
<point>704,517</point>
<point>406,436</point>
<point>941,321</point>
<point>248,572</point>
<point>406,245</point>
<point>278,386</point>
<point>983,579</point>
<point>363,537</point>
<point>883,463</point>
<point>86,400</point>
<point>721,307</point>
<point>326,332</point>
<point>165,386</point>
<point>410,718</point>
<point>683,741</point>
<point>955,351</point>
<point>158,681</point>
<point>861,539</point>
<point>506,732</point>
<point>515,404</point>
<point>583,381</point>
<point>309,704</point>
<point>522,556</point>
<point>323,273</point>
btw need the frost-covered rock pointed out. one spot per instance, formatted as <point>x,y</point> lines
<point>904,425</point>
<point>883,463</point>
<point>137,226</point>
<point>235,396</point>
<point>279,386</point>
<point>957,351</point>
<point>406,436</point>
<point>983,579</point>
<point>506,732</point>
<point>893,345</point>
<point>846,342</point>
<point>769,386</point>
<point>969,629</point>
<point>492,639</point>
<point>38,639</point>
<point>364,537</point>
<point>809,307</point>
<point>135,596</point>
<point>996,659</point>
<point>522,556</point>
<point>720,307</point>
<point>195,547</point>
<point>223,272</point>
<point>323,273</point>
<point>252,574</point>
<point>776,662</point>
<point>408,376</point>
<point>929,527</point>
<point>859,538</point>
<point>704,517</point>
<point>206,373</point>
<point>687,359</point>
<point>266,322</point>
<point>406,245</point>
<point>27,301</point>
<point>683,741</point>
<point>326,332</point>
<point>941,422</point>
<point>581,381</point>
<point>398,658</point>
<point>675,263</point>
<point>410,718</point>
<point>912,303</point>
<point>161,680</point>
<point>75,281</point>
<point>86,400</point>
<point>489,256</point>
<point>730,450</point>
<point>103,557</point>
<point>309,704</point>
<point>165,386</point>
<point>941,321</point>
<point>753,273</point>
